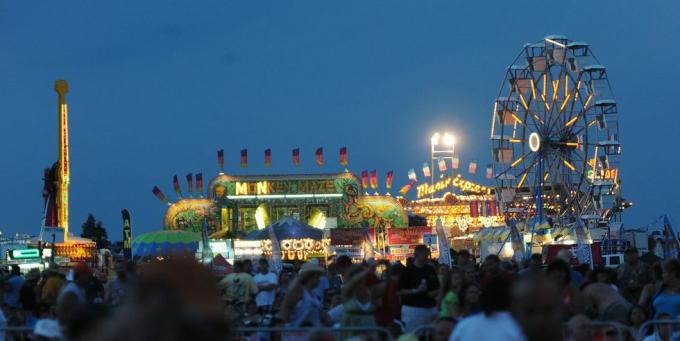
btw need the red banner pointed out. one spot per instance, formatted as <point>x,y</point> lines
<point>407,235</point>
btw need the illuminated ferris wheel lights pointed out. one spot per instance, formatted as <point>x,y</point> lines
<point>585,105</point>
<point>534,142</point>
<point>564,104</point>
<point>533,89</point>
<point>521,181</point>
<point>572,121</point>
<point>524,103</point>
<point>566,163</point>
<point>517,162</point>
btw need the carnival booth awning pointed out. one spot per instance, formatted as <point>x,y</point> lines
<point>287,228</point>
<point>161,243</point>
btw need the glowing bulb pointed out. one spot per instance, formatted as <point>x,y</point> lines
<point>449,140</point>
<point>435,139</point>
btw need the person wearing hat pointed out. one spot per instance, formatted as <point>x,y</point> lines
<point>73,294</point>
<point>301,307</point>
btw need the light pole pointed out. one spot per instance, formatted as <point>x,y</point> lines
<point>442,147</point>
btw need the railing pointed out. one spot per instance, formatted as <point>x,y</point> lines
<point>669,329</point>
<point>310,333</point>
<point>16,333</point>
<point>597,330</point>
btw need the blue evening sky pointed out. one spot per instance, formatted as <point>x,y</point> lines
<point>158,86</point>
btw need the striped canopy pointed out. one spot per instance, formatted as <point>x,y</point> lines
<point>162,243</point>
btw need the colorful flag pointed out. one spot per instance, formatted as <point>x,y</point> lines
<point>406,188</point>
<point>412,175</point>
<point>442,165</point>
<point>343,156</point>
<point>472,168</point>
<point>244,158</point>
<point>296,157</point>
<point>489,171</point>
<point>127,235</point>
<point>671,247</point>
<point>374,179</point>
<point>319,157</point>
<point>267,157</point>
<point>190,183</point>
<point>454,162</point>
<point>157,192</point>
<point>199,183</point>
<point>220,159</point>
<point>364,179</point>
<point>388,180</point>
<point>175,184</point>
<point>426,170</point>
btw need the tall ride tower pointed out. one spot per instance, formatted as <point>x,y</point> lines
<point>61,87</point>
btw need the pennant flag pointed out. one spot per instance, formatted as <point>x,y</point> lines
<point>199,183</point>
<point>426,170</point>
<point>388,180</point>
<point>472,168</point>
<point>267,157</point>
<point>443,244</point>
<point>343,156</point>
<point>412,175</point>
<point>277,255</point>
<point>454,162</point>
<point>442,165</point>
<point>244,158</point>
<point>517,243</point>
<point>406,188</point>
<point>296,157</point>
<point>670,245</point>
<point>584,251</point>
<point>157,192</point>
<point>127,235</point>
<point>190,183</point>
<point>374,179</point>
<point>319,157</point>
<point>364,179</point>
<point>175,183</point>
<point>489,171</point>
<point>220,159</point>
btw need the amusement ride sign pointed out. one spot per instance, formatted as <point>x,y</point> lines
<point>457,182</point>
<point>285,187</point>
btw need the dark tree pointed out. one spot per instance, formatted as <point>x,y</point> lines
<point>95,230</point>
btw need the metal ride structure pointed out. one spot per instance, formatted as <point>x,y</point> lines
<point>555,135</point>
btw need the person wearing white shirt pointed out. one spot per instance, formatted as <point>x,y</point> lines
<point>266,282</point>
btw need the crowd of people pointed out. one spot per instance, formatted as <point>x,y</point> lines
<point>467,300</point>
<point>491,299</point>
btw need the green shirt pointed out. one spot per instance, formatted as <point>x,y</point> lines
<point>450,299</point>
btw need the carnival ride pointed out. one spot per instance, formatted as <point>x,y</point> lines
<point>555,135</point>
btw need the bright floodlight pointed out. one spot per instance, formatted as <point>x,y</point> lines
<point>449,140</point>
<point>435,139</point>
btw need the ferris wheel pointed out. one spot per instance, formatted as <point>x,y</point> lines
<point>555,134</point>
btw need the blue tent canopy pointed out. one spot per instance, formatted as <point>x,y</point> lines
<point>287,228</point>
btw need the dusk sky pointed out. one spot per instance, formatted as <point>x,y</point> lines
<point>156,87</point>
